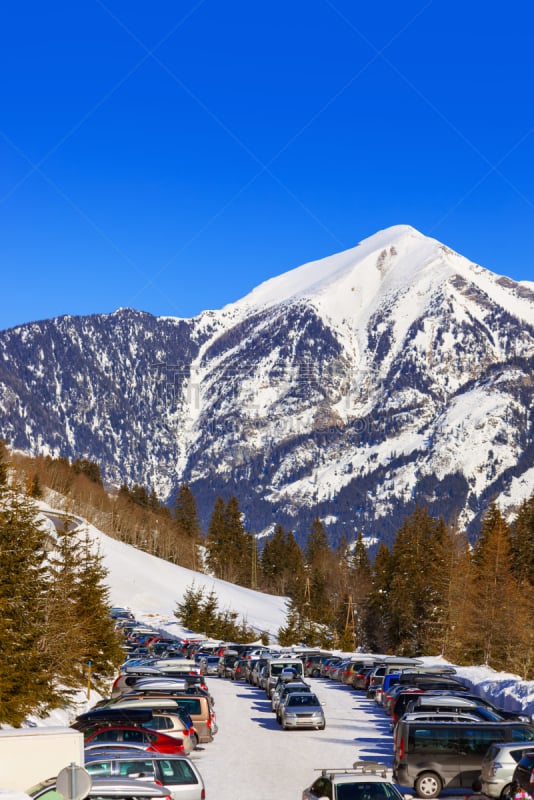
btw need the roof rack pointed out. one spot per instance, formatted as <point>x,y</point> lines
<point>359,767</point>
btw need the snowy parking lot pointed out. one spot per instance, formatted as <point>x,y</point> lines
<point>252,757</point>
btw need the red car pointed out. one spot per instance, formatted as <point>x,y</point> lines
<point>130,734</point>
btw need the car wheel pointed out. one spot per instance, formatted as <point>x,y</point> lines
<point>506,790</point>
<point>428,785</point>
<point>321,727</point>
<point>194,739</point>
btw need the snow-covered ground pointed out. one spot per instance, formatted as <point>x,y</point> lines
<point>151,588</point>
<point>251,756</point>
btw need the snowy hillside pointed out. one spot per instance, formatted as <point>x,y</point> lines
<point>151,587</point>
<point>351,388</point>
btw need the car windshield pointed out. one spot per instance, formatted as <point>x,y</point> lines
<point>366,790</point>
<point>303,700</point>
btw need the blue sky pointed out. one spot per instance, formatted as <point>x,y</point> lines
<point>171,156</point>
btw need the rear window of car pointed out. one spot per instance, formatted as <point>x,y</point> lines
<point>191,704</point>
<point>176,771</point>
<point>138,768</point>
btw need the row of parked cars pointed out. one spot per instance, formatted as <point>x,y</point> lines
<point>160,710</point>
<point>444,736</point>
<point>139,740</point>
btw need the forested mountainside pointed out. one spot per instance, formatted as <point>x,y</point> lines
<point>350,388</point>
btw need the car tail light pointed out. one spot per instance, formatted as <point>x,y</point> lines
<point>532,778</point>
<point>401,750</point>
<point>203,794</point>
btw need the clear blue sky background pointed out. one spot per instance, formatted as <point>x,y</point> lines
<point>169,156</point>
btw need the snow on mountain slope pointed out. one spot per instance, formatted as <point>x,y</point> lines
<point>152,587</point>
<point>351,388</point>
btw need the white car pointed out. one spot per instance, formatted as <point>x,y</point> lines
<point>365,780</point>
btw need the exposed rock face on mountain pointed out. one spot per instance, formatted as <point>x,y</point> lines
<point>350,388</point>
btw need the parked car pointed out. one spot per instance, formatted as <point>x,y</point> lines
<point>427,754</point>
<point>498,767</point>
<point>275,667</point>
<point>106,789</point>
<point>301,710</point>
<point>375,682</point>
<point>524,771</point>
<point>169,719</point>
<point>365,780</point>
<point>251,663</point>
<point>239,670</point>
<point>158,742</point>
<point>209,665</point>
<point>178,774</point>
<point>327,665</point>
<point>259,664</point>
<point>353,668</point>
<point>283,688</point>
<point>312,665</point>
<point>226,663</point>
<point>360,678</point>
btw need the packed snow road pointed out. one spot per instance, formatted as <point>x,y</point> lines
<point>252,758</point>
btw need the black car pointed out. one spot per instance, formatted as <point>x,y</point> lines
<point>524,772</point>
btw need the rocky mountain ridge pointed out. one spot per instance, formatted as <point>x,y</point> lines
<point>352,387</point>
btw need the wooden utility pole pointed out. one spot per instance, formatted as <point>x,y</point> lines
<point>350,624</point>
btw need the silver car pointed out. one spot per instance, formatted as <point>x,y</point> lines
<point>106,789</point>
<point>498,766</point>
<point>284,689</point>
<point>177,774</point>
<point>301,710</point>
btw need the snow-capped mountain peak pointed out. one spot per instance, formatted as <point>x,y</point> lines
<point>350,387</point>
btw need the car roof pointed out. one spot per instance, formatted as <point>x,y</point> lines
<point>110,787</point>
<point>140,755</point>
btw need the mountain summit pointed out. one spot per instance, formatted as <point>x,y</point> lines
<point>350,388</point>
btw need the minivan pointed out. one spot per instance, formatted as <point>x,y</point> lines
<point>431,756</point>
<point>275,668</point>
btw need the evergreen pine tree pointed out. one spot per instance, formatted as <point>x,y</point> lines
<point>216,544</point>
<point>99,642</point>
<point>187,611</point>
<point>25,683</point>
<point>63,628</point>
<point>239,554</point>
<point>208,614</point>
<point>522,542</point>
<point>415,595</point>
<point>273,560</point>
<point>377,619</point>
<point>317,547</point>
<point>186,520</point>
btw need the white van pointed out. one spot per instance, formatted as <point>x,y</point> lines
<point>275,668</point>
